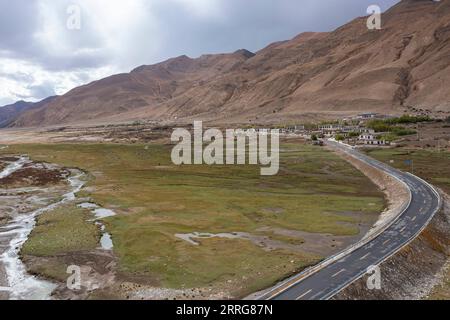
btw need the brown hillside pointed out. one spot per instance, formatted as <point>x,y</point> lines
<point>350,70</point>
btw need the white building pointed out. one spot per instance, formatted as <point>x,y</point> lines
<point>372,139</point>
<point>330,129</point>
<point>366,116</point>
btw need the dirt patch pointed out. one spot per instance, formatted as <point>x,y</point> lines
<point>266,243</point>
<point>97,272</point>
<point>35,175</point>
<point>319,244</point>
<point>111,133</point>
<point>416,270</point>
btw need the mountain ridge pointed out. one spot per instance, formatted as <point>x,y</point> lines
<point>10,113</point>
<point>349,70</point>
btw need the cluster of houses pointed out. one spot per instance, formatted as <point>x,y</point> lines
<point>356,133</point>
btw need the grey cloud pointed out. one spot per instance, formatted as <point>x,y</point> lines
<point>19,77</point>
<point>250,24</point>
<point>19,25</point>
<point>17,22</point>
<point>42,91</point>
<point>38,92</point>
<point>253,24</point>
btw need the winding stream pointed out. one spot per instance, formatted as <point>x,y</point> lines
<point>23,286</point>
<point>13,167</point>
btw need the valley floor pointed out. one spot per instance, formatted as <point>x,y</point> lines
<point>195,231</point>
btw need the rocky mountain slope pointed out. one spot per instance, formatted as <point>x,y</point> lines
<point>10,113</point>
<point>403,67</point>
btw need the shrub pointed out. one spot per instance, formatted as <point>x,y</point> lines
<point>400,131</point>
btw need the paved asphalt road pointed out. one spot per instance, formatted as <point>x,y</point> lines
<point>333,278</point>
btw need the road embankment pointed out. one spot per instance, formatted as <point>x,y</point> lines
<point>393,235</point>
<point>396,193</point>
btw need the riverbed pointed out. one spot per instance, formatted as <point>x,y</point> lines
<point>20,204</point>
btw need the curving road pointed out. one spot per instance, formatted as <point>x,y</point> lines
<point>337,275</point>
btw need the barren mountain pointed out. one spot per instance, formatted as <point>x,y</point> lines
<point>10,113</point>
<point>402,67</point>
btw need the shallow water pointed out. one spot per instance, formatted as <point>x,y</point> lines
<point>13,167</point>
<point>88,205</point>
<point>23,286</point>
<point>101,213</point>
<point>106,242</point>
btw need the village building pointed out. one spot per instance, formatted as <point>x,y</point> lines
<point>372,139</point>
<point>330,129</point>
<point>367,116</point>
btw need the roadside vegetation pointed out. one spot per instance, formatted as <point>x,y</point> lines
<point>431,165</point>
<point>395,127</point>
<point>315,192</point>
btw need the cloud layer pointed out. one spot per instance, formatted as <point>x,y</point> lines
<point>41,56</point>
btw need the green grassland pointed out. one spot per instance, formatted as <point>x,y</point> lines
<point>58,232</point>
<point>315,192</point>
<point>431,165</point>
<point>63,231</point>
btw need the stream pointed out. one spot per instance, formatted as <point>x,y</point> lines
<point>21,285</point>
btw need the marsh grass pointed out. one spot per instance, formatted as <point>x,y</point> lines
<point>314,192</point>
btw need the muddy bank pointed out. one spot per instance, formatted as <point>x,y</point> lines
<point>28,190</point>
<point>22,198</point>
<point>416,270</point>
<point>98,273</point>
<point>35,175</point>
<point>317,244</point>
<point>26,186</point>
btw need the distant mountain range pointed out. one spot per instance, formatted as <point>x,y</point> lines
<point>315,75</point>
<point>10,113</point>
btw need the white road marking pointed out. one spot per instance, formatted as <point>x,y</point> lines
<point>5,289</point>
<point>422,211</point>
<point>362,258</point>
<point>337,273</point>
<point>316,295</point>
<point>307,292</point>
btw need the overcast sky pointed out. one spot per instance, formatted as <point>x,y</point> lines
<point>41,56</point>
